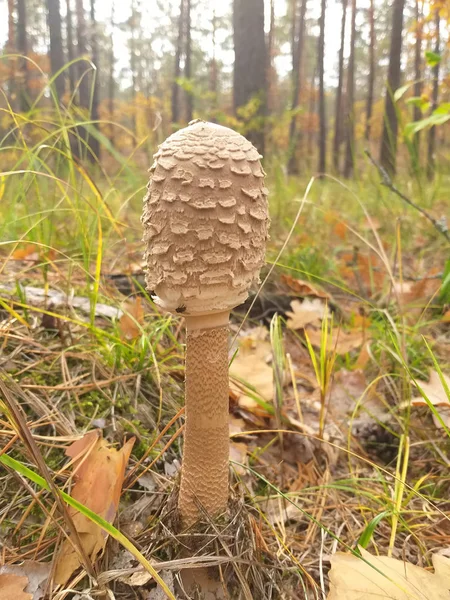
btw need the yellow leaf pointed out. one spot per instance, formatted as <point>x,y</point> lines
<point>353,579</point>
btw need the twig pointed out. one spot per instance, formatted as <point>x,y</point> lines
<point>386,180</point>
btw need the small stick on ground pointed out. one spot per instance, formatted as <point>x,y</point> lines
<point>387,181</point>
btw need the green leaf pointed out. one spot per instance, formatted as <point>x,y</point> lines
<point>368,532</point>
<point>445,287</point>
<point>418,101</point>
<point>442,109</point>
<point>402,90</point>
<point>432,58</point>
<point>87,512</point>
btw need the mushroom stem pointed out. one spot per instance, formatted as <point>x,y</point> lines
<point>205,468</point>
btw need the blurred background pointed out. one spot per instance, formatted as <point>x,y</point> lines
<point>313,83</point>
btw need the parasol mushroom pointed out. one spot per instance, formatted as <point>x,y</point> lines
<point>205,225</point>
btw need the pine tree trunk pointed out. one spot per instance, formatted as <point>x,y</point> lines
<point>337,140</point>
<point>371,80</point>
<point>111,81</point>
<point>270,55</point>
<point>187,63</point>
<point>83,75</point>
<point>56,46</point>
<point>11,49</point>
<point>94,142</point>
<point>417,114</point>
<point>133,63</point>
<point>434,101</point>
<point>350,138</point>
<point>22,47</point>
<point>177,68</point>
<point>298,42</point>
<point>388,149</point>
<point>70,49</point>
<point>249,78</point>
<point>322,115</point>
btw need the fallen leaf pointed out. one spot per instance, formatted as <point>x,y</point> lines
<point>363,271</point>
<point>29,252</point>
<point>238,453</point>
<point>131,320</point>
<point>305,313</point>
<point>350,388</point>
<point>446,317</point>
<point>12,587</point>
<point>251,366</point>
<point>437,395</point>
<point>303,288</point>
<point>417,293</point>
<point>351,578</point>
<point>36,575</point>
<point>99,476</point>
<point>339,341</point>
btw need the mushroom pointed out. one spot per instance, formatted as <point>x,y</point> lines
<point>205,225</point>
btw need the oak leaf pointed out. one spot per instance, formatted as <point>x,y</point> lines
<point>437,395</point>
<point>384,578</point>
<point>12,587</point>
<point>305,313</point>
<point>339,341</point>
<point>99,473</point>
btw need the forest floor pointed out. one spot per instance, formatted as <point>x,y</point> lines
<point>339,391</point>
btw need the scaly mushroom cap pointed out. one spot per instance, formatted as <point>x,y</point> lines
<point>205,220</point>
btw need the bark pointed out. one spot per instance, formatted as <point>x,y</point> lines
<point>350,145</point>
<point>434,101</point>
<point>322,115</point>
<point>94,142</point>
<point>187,63</point>
<point>70,48</point>
<point>111,80</point>
<point>249,77</point>
<point>371,81</point>
<point>11,48</point>
<point>311,113</point>
<point>270,55</point>
<point>205,469</point>
<point>417,115</point>
<point>56,46</point>
<point>388,149</point>
<point>298,42</point>
<point>337,140</point>
<point>177,68</point>
<point>22,47</point>
<point>82,67</point>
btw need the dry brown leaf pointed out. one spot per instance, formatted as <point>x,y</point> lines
<point>348,389</point>
<point>339,341</point>
<point>446,317</point>
<point>303,288</point>
<point>35,573</point>
<point>130,321</point>
<point>417,293</point>
<point>436,394</point>
<point>99,476</point>
<point>238,453</point>
<point>353,579</point>
<point>12,587</point>
<point>251,365</point>
<point>308,312</point>
<point>29,252</point>
<point>362,270</point>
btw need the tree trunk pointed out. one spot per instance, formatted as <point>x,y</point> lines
<point>94,142</point>
<point>213,74</point>
<point>311,113</point>
<point>388,148</point>
<point>111,80</point>
<point>187,63</point>
<point>83,83</point>
<point>22,47</point>
<point>56,46</point>
<point>322,115</point>
<point>70,49</point>
<point>371,81</point>
<point>133,62</point>
<point>177,68</point>
<point>11,49</point>
<point>350,146</point>
<point>270,54</point>
<point>417,114</point>
<point>434,101</point>
<point>298,42</point>
<point>337,140</point>
<point>249,79</point>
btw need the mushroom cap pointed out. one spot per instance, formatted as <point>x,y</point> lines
<point>205,220</point>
